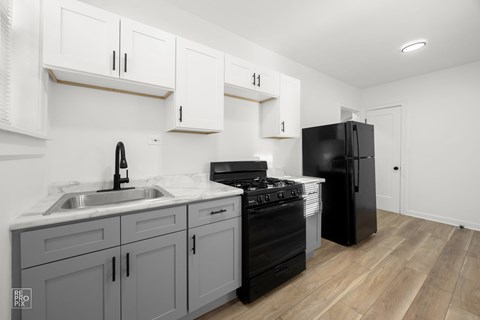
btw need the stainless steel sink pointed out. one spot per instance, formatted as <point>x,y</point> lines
<point>89,199</point>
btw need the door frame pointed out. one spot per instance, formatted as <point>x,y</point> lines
<point>403,148</point>
<point>342,106</point>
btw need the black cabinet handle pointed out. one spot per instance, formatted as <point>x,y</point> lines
<point>125,66</point>
<point>114,265</point>
<point>194,238</point>
<point>258,78</point>
<point>181,114</point>
<point>219,211</point>
<point>114,60</point>
<point>283,126</point>
<point>396,168</point>
<point>254,78</point>
<point>128,264</point>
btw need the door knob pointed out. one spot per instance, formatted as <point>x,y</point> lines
<point>395,168</point>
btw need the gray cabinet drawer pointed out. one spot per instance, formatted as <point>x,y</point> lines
<point>212,211</point>
<point>143,225</point>
<point>50,244</point>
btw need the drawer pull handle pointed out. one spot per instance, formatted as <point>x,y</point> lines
<point>194,238</point>
<point>128,264</point>
<point>113,269</point>
<point>219,211</point>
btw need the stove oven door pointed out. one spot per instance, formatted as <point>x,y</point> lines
<point>275,234</point>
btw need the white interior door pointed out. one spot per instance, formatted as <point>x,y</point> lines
<point>388,124</point>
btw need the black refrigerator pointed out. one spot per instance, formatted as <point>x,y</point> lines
<point>344,155</point>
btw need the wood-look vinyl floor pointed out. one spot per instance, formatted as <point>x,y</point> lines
<point>411,269</point>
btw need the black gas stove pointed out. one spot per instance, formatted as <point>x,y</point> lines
<point>273,225</point>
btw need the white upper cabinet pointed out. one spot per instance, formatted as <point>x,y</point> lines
<point>80,37</point>
<point>197,104</point>
<point>268,82</point>
<point>148,54</point>
<point>239,72</point>
<point>245,80</point>
<point>93,47</point>
<point>281,117</point>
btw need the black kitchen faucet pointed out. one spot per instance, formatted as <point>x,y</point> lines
<point>120,163</point>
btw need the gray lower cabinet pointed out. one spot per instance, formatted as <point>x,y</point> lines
<point>313,213</point>
<point>314,231</point>
<point>154,281</point>
<point>83,271</point>
<point>214,261</point>
<point>84,287</point>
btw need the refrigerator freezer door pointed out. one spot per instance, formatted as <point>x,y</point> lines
<point>360,140</point>
<point>363,207</point>
<point>322,146</point>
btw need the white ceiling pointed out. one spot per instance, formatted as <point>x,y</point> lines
<point>355,41</point>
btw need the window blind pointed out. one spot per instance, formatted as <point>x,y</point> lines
<point>5,49</point>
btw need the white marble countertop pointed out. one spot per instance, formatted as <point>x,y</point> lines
<point>184,188</point>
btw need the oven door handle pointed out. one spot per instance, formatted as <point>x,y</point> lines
<point>274,206</point>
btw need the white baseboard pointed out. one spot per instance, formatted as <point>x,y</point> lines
<point>450,221</point>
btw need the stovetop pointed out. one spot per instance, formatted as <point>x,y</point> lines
<point>259,183</point>
<point>263,191</point>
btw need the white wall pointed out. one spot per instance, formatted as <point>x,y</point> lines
<point>440,173</point>
<point>85,124</point>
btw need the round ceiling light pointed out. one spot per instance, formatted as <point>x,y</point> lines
<point>413,46</point>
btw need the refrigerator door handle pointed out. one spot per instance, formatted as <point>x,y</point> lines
<point>356,182</point>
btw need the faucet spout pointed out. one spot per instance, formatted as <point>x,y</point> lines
<point>123,161</point>
<point>120,162</point>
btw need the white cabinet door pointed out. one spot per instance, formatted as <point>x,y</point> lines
<point>80,37</point>
<point>198,103</point>
<point>214,261</point>
<point>290,106</point>
<point>281,117</point>
<point>239,73</point>
<point>245,80</point>
<point>268,82</point>
<point>147,54</point>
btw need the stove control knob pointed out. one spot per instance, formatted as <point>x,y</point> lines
<point>267,198</point>
<point>280,195</point>
<point>259,199</point>
<point>294,192</point>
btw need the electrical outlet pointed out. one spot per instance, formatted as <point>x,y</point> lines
<point>154,141</point>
